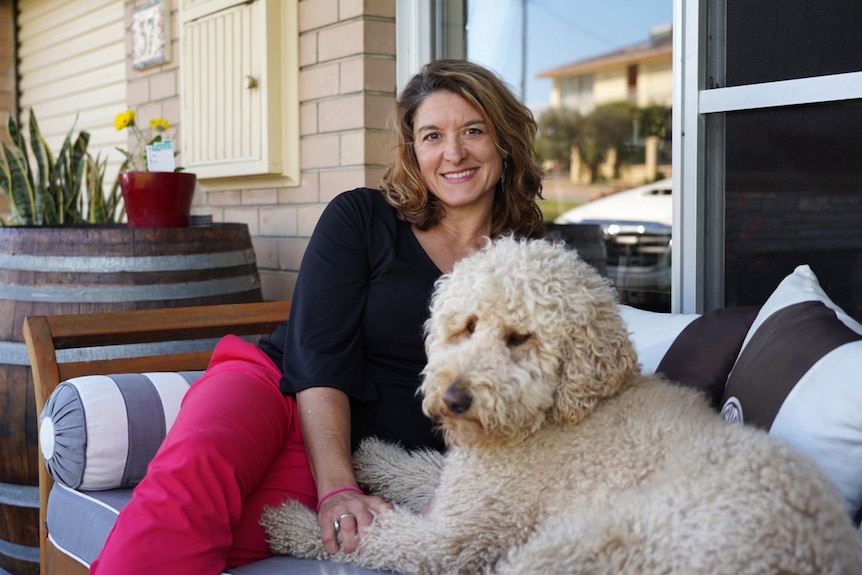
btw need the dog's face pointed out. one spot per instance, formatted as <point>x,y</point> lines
<point>521,333</point>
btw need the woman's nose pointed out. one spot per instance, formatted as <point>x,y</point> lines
<point>454,150</point>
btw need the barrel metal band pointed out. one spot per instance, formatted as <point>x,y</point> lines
<point>15,353</point>
<point>109,264</point>
<point>127,293</point>
<point>19,495</point>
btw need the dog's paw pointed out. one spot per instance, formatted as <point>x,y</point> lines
<point>405,478</point>
<point>292,529</point>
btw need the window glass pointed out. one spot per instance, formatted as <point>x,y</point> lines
<point>771,40</point>
<point>793,195</point>
<point>605,68</point>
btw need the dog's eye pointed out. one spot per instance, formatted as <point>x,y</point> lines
<point>471,325</point>
<point>516,339</point>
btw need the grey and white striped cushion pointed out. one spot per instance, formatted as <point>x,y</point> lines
<point>101,431</point>
<point>799,376</point>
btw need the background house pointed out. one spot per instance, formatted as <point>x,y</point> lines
<point>640,74</point>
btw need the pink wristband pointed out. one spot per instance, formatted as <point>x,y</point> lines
<point>339,490</point>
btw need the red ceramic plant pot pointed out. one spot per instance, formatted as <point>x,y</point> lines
<point>158,199</point>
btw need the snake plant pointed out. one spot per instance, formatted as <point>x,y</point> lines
<point>44,190</point>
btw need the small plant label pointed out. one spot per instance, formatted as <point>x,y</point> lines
<point>160,156</point>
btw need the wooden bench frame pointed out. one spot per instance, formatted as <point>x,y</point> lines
<point>45,335</point>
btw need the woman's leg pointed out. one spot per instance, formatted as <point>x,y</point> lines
<point>234,447</point>
<point>289,477</point>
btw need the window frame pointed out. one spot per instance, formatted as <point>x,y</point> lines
<point>424,31</point>
<point>697,282</point>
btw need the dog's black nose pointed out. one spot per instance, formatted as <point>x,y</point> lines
<point>457,399</point>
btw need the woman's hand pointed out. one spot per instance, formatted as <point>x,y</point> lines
<point>344,515</point>
<point>324,415</point>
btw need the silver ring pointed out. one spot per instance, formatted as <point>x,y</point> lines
<point>337,523</point>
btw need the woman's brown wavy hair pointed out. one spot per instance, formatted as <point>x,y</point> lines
<point>512,128</point>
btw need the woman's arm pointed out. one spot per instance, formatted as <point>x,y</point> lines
<point>324,415</point>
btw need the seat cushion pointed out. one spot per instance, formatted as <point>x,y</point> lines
<point>69,509</point>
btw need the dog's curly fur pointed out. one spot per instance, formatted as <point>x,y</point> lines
<point>564,458</point>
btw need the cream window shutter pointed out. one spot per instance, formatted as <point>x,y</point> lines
<point>239,97</point>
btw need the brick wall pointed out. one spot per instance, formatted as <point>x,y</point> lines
<point>346,92</point>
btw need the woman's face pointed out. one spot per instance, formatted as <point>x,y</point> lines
<point>458,160</point>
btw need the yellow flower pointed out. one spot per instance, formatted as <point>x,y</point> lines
<point>159,125</point>
<point>124,119</point>
<point>136,158</point>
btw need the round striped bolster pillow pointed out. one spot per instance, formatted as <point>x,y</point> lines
<point>101,431</point>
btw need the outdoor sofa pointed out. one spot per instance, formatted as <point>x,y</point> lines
<point>790,366</point>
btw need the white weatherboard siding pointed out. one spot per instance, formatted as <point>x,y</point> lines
<point>73,64</point>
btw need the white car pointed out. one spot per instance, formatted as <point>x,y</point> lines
<point>650,204</point>
<point>636,225</point>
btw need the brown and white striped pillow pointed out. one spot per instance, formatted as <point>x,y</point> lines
<point>799,376</point>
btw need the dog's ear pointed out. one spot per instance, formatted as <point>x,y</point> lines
<point>598,357</point>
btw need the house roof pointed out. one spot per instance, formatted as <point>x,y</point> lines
<point>658,46</point>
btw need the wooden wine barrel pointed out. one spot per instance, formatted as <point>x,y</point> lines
<point>75,269</point>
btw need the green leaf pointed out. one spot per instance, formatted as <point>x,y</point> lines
<point>74,181</point>
<point>21,196</point>
<point>97,211</point>
<point>41,152</point>
<point>20,181</point>
<point>5,180</point>
<point>14,132</point>
<point>115,205</point>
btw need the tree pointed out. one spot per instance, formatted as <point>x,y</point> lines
<point>558,128</point>
<point>656,120</point>
<point>609,126</point>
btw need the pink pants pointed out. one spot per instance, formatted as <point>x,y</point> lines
<point>235,447</point>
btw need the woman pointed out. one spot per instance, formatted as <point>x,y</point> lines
<point>279,420</point>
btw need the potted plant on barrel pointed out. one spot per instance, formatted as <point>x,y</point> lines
<point>156,192</point>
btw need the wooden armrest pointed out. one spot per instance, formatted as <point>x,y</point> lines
<point>45,335</point>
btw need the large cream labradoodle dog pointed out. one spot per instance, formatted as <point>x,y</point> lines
<point>565,459</point>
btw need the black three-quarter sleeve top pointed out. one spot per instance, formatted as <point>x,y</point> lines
<point>356,318</point>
